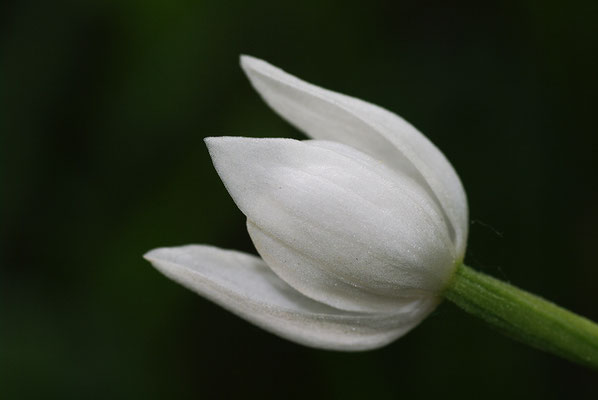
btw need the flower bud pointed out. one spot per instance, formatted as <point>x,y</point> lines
<point>359,230</point>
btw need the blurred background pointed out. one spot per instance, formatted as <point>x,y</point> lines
<point>104,105</point>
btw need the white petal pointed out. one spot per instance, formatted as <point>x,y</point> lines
<point>246,286</point>
<point>336,224</point>
<point>323,114</point>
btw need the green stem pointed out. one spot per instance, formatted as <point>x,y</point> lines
<point>525,317</point>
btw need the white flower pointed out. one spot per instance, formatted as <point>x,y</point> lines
<point>359,230</point>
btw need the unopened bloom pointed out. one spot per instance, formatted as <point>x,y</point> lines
<point>359,229</point>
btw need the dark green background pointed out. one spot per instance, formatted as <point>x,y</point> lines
<point>104,106</point>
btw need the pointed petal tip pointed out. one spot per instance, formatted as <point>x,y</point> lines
<point>245,59</point>
<point>151,255</point>
<point>219,146</point>
<point>219,149</point>
<point>240,144</point>
<point>249,62</point>
<point>160,253</point>
<point>210,140</point>
<point>219,142</point>
<point>257,69</point>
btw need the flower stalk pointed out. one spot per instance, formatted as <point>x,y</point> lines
<point>525,317</point>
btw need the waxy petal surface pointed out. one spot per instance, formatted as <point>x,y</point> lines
<point>244,285</point>
<point>337,224</point>
<point>324,114</point>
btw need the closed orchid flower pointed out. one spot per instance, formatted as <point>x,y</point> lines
<point>361,230</point>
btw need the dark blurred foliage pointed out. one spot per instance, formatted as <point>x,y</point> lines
<point>104,106</point>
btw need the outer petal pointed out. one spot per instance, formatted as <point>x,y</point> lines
<point>323,114</point>
<point>336,224</point>
<point>246,286</point>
